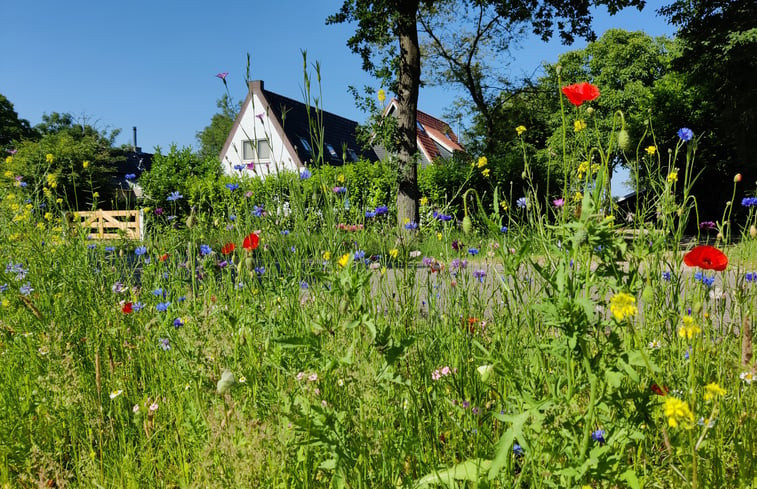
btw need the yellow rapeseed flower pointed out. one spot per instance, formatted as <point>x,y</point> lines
<point>85,164</point>
<point>583,169</point>
<point>520,130</point>
<point>485,172</point>
<point>344,260</point>
<point>49,157</point>
<point>677,411</point>
<point>9,159</point>
<point>394,252</point>
<point>673,176</point>
<point>8,173</point>
<point>381,95</point>
<point>326,255</point>
<point>482,162</point>
<point>651,150</point>
<point>578,196</point>
<point>58,200</point>
<point>579,125</point>
<point>49,216</point>
<point>623,305</point>
<point>713,390</point>
<point>424,201</point>
<point>340,178</point>
<point>689,328</point>
<point>439,236</point>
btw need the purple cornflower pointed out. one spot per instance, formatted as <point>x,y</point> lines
<point>339,190</point>
<point>223,75</point>
<point>118,287</point>
<point>140,250</point>
<point>174,196</point>
<point>473,251</point>
<point>479,273</point>
<point>305,174</point>
<point>598,436</point>
<point>751,277</point>
<point>178,323</point>
<point>165,344</point>
<point>666,276</point>
<point>359,255</point>
<point>260,270</point>
<point>707,225</point>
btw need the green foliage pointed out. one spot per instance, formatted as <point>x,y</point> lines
<point>12,128</point>
<point>174,171</point>
<point>213,137</point>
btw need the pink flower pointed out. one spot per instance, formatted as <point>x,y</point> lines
<point>251,165</point>
<point>223,75</point>
<point>153,407</point>
<point>260,116</point>
<point>558,202</point>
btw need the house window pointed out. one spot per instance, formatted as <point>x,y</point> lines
<point>332,151</point>
<point>305,145</point>
<point>259,150</point>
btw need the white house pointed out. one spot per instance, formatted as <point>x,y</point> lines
<point>272,133</point>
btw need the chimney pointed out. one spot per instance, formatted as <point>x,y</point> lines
<point>137,149</point>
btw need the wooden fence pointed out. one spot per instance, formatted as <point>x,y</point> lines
<point>112,224</point>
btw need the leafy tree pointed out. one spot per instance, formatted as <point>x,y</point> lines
<point>11,127</point>
<point>213,137</point>
<point>387,40</point>
<point>172,172</point>
<point>719,39</point>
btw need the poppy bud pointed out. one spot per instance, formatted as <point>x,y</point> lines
<point>467,225</point>
<point>226,382</point>
<point>737,178</point>
<point>590,111</point>
<point>624,140</point>
<point>648,294</point>
<point>697,307</point>
<point>753,231</point>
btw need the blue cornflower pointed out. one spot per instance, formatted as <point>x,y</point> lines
<point>205,250</point>
<point>22,184</point>
<point>18,269</point>
<point>130,176</point>
<point>110,249</point>
<point>174,196</point>
<point>666,276</point>
<point>473,251</point>
<point>381,210</point>
<point>232,186</point>
<point>503,229</point>
<point>701,277</point>
<point>260,270</point>
<point>257,210</point>
<point>233,217</point>
<point>239,167</point>
<point>162,306</point>
<point>685,134</point>
<point>26,289</point>
<point>165,344</point>
<point>304,285</point>
<point>521,203</point>
<point>178,323</point>
<point>359,255</point>
<point>284,232</point>
<point>292,249</point>
<point>411,225</point>
<point>751,277</point>
<point>137,306</point>
<point>159,292</point>
<point>749,202</point>
<point>598,436</point>
<point>518,450</point>
<point>305,174</point>
<point>370,214</point>
<point>3,287</point>
<point>140,250</point>
<point>91,246</point>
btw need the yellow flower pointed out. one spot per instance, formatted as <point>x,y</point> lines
<point>424,201</point>
<point>85,164</point>
<point>344,260</point>
<point>485,172</point>
<point>651,150</point>
<point>482,162</point>
<point>689,328</point>
<point>58,200</point>
<point>520,130</point>
<point>381,95</point>
<point>383,270</point>
<point>49,157</point>
<point>676,411</point>
<point>713,390</point>
<point>583,169</point>
<point>340,178</point>
<point>579,125</point>
<point>9,159</point>
<point>578,196</point>
<point>439,236</point>
<point>503,204</point>
<point>623,305</point>
<point>40,225</point>
<point>95,195</point>
<point>394,252</point>
<point>8,173</point>
<point>5,303</point>
<point>326,255</point>
<point>673,176</point>
<point>49,216</point>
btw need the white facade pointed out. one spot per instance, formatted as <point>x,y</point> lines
<point>256,145</point>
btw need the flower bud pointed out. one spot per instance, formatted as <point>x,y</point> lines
<point>648,294</point>
<point>753,231</point>
<point>697,307</point>
<point>467,225</point>
<point>590,111</point>
<point>624,140</point>
<point>737,178</point>
<point>485,372</point>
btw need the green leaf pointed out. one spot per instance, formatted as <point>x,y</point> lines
<point>504,446</point>
<point>630,477</point>
<point>470,470</point>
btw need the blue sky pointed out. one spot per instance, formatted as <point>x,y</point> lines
<point>152,64</point>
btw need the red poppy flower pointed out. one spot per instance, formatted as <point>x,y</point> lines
<point>250,242</point>
<point>580,93</point>
<point>127,309</point>
<point>706,258</point>
<point>163,257</point>
<point>660,391</point>
<point>228,248</point>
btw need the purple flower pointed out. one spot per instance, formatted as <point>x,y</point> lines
<point>26,289</point>
<point>558,202</point>
<point>140,250</point>
<point>707,225</point>
<point>178,322</point>
<point>479,273</point>
<point>685,134</point>
<point>666,276</point>
<point>305,174</point>
<point>158,211</point>
<point>599,436</point>
<point>339,190</point>
<point>223,75</point>
<point>173,196</point>
<point>165,344</point>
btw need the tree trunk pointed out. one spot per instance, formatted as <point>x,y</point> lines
<point>407,95</point>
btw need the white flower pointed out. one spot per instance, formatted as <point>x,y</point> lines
<point>340,382</point>
<point>415,254</point>
<point>313,377</point>
<point>485,371</point>
<point>747,377</point>
<point>242,379</point>
<point>716,294</point>
<point>655,344</point>
<point>135,409</point>
<point>115,394</point>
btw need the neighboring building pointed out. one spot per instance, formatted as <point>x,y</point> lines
<point>434,137</point>
<point>272,134</point>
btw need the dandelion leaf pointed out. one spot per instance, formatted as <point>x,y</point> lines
<point>470,470</point>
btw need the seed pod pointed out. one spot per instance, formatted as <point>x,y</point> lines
<point>226,382</point>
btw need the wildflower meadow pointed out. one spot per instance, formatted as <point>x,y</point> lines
<point>291,333</point>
